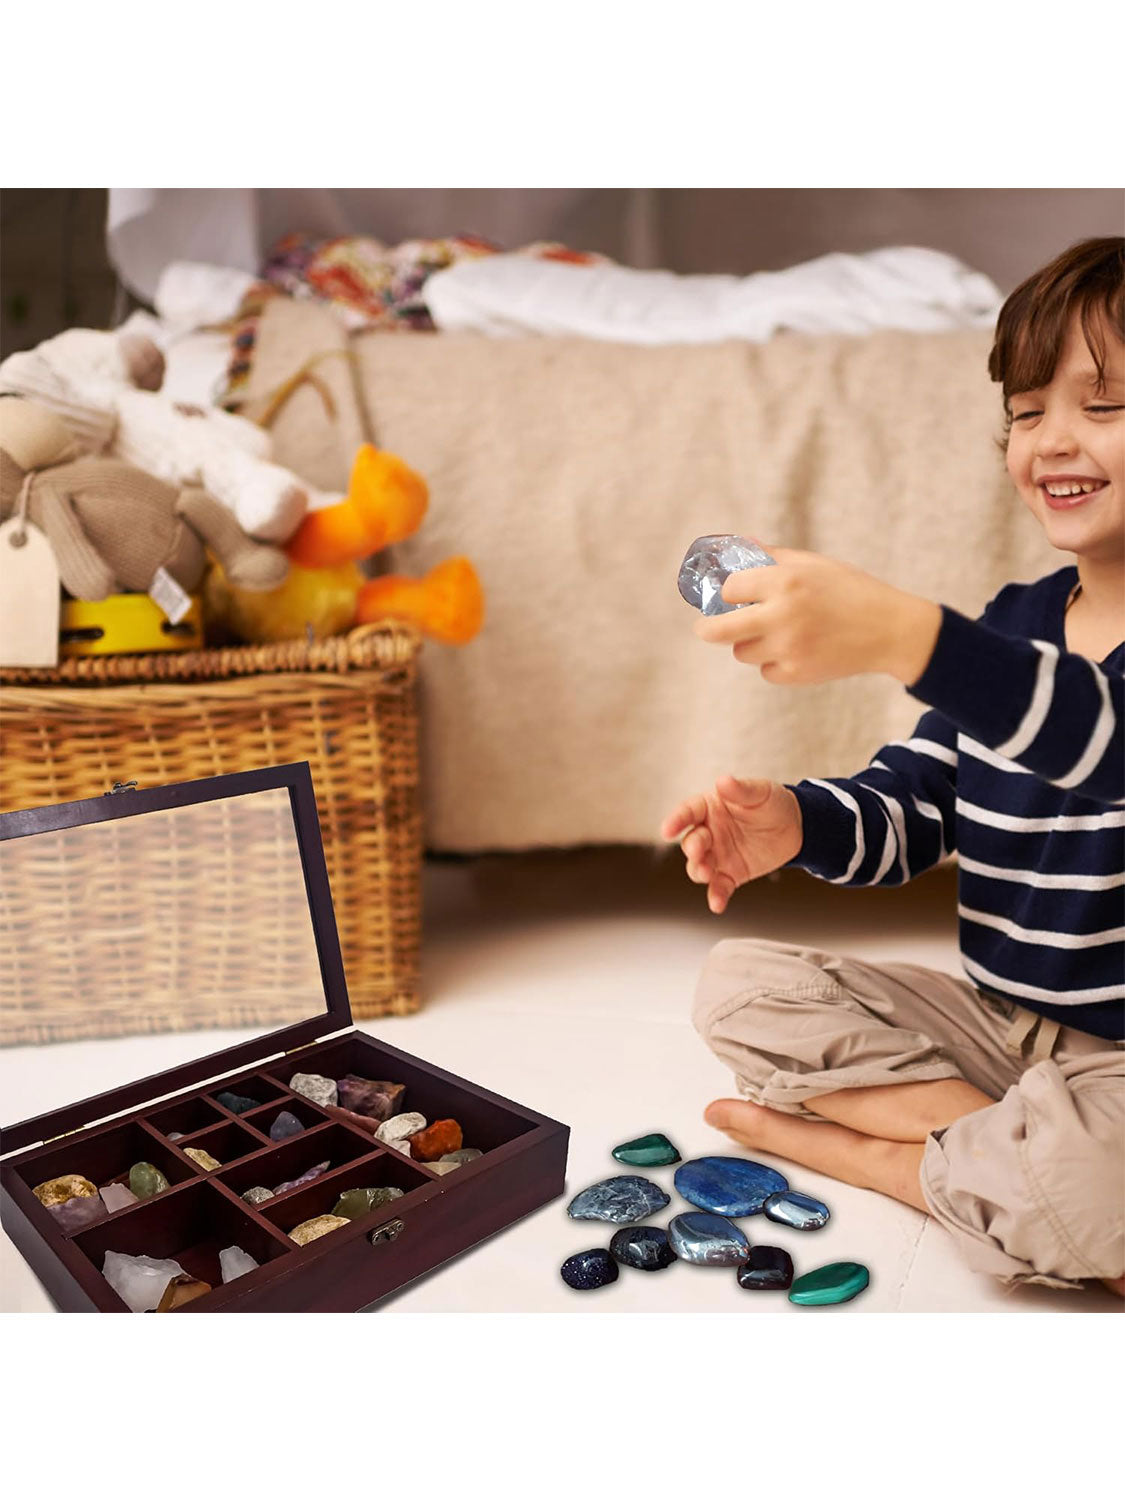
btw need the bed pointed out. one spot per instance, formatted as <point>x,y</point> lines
<point>574,473</point>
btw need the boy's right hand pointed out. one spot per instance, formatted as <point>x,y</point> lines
<point>741,830</point>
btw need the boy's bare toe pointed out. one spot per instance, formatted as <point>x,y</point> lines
<point>737,1118</point>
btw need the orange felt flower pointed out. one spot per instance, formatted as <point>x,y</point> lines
<point>386,501</point>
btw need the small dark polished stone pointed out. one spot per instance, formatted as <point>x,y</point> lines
<point>769,1269</point>
<point>589,1269</point>
<point>642,1246</point>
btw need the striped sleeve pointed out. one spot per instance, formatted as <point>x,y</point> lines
<point>1054,713</point>
<point>890,822</point>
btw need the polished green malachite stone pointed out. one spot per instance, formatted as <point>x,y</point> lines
<point>653,1150</point>
<point>839,1282</point>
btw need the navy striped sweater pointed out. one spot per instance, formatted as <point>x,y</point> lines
<point>1020,767</point>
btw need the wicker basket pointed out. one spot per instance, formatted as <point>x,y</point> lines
<point>347,705</point>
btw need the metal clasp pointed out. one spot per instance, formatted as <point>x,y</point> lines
<point>388,1231</point>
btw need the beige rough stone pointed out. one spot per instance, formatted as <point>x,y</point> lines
<point>202,1158</point>
<point>312,1229</point>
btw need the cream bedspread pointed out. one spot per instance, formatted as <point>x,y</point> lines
<point>575,473</point>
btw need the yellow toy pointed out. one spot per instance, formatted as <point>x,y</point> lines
<point>126,624</point>
<point>326,593</point>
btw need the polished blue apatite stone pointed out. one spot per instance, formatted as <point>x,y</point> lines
<point>620,1200</point>
<point>728,1185</point>
<point>709,562</point>
<point>588,1270</point>
<point>797,1210</point>
<point>644,1247</point>
<point>708,1240</point>
<point>769,1269</point>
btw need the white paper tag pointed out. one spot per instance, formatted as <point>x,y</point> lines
<point>167,594</point>
<point>29,597</point>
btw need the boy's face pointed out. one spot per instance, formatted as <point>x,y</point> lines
<point>1070,436</point>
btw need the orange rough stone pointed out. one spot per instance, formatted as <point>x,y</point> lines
<point>436,1140</point>
<point>182,1289</point>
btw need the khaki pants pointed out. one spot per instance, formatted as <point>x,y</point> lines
<point>1032,1188</point>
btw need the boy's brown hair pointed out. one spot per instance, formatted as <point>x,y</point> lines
<point>1089,279</point>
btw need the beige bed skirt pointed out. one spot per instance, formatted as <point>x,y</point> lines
<point>574,474</point>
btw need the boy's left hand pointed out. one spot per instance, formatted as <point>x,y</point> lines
<point>815,619</point>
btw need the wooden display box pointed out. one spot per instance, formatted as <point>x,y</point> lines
<point>201,1212</point>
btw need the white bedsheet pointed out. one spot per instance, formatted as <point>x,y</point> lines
<point>905,287</point>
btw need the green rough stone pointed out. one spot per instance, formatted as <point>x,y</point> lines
<point>839,1282</point>
<point>359,1201</point>
<point>653,1150</point>
<point>145,1180</point>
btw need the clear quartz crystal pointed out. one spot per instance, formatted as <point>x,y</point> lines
<point>234,1262</point>
<point>709,562</point>
<point>139,1280</point>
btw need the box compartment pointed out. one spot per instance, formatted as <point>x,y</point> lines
<point>106,1157</point>
<point>190,1227</point>
<point>271,1166</point>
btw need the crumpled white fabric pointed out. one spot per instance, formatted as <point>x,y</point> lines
<point>903,287</point>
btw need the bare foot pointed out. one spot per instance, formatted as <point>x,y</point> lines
<point>889,1167</point>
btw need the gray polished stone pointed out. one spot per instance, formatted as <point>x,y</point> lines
<point>708,1240</point>
<point>797,1210</point>
<point>620,1200</point>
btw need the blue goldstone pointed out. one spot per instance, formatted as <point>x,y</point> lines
<point>709,562</point>
<point>644,1247</point>
<point>728,1185</point>
<point>620,1200</point>
<point>797,1210</point>
<point>769,1269</point>
<point>588,1270</point>
<point>708,1240</point>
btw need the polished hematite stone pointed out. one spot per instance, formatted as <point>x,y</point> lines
<point>708,1240</point>
<point>839,1282</point>
<point>769,1269</point>
<point>238,1104</point>
<point>653,1150</point>
<point>588,1270</point>
<point>728,1185</point>
<point>709,562</point>
<point>620,1200</point>
<point>797,1210</point>
<point>643,1246</point>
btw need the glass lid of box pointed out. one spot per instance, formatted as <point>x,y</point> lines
<point>173,924</point>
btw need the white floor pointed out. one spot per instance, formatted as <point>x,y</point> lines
<point>564,981</point>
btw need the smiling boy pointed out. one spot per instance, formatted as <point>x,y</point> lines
<point>994,1102</point>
